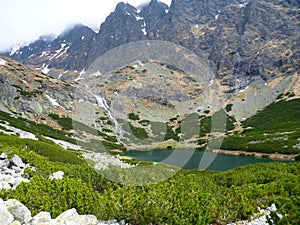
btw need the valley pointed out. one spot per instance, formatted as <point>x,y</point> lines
<point>179,114</point>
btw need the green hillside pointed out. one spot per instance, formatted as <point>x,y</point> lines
<point>189,197</point>
<point>274,129</point>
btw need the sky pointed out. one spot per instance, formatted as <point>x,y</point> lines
<point>22,21</point>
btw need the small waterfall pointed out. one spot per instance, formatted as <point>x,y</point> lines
<point>101,102</point>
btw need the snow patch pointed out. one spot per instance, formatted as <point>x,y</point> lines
<point>64,144</point>
<point>14,49</point>
<point>61,54</point>
<point>54,102</point>
<point>243,5</point>
<point>45,70</point>
<point>98,73</point>
<point>144,28</point>
<point>2,62</point>
<point>241,91</point>
<point>83,37</point>
<point>22,134</point>
<point>139,18</point>
<point>60,51</point>
<point>144,31</point>
<point>217,16</point>
<point>138,64</point>
<point>80,76</point>
<point>59,76</point>
<point>167,11</point>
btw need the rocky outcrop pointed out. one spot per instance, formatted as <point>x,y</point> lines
<point>104,160</point>
<point>11,171</point>
<point>32,94</point>
<point>13,212</point>
<point>263,214</point>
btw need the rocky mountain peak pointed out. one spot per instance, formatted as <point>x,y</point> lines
<point>242,40</point>
<point>125,7</point>
<point>153,14</point>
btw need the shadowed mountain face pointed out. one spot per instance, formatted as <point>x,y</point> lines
<point>242,41</point>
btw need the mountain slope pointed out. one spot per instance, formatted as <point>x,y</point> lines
<point>241,40</point>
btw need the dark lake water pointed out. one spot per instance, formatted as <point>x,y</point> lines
<point>189,159</point>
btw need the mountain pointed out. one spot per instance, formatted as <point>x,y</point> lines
<point>146,71</point>
<point>242,41</point>
<point>67,51</point>
<point>148,105</point>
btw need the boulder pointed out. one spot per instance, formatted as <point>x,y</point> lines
<point>17,169</point>
<point>8,179</point>
<point>4,163</point>
<point>6,218</point>
<point>4,185</point>
<point>8,171</point>
<point>18,210</point>
<point>3,156</point>
<point>57,175</point>
<point>17,161</point>
<point>16,222</point>
<point>19,180</point>
<point>71,217</point>
<point>41,218</point>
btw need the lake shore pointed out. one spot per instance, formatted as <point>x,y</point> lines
<point>257,154</point>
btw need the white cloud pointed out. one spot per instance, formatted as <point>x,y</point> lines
<point>23,21</point>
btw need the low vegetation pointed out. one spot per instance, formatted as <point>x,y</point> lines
<point>274,129</point>
<point>189,197</point>
<point>35,128</point>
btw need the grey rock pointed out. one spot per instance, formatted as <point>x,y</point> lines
<point>19,180</point>
<point>7,171</point>
<point>17,169</point>
<point>17,161</point>
<point>4,163</point>
<point>57,175</point>
<point>6,218</point>
<point>67,214</point>
<point>16,222</point>
<point>8,179</point>
<point>4,185</point>
<point>41,218</point>
<point>3,155</point>
<point>72,217</point>
<point>18,210</point>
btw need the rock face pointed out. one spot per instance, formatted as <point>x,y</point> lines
<point>30,93</point>
<point>13,212</point>
<point>11,171</point>
<point>241,40</point>
<point>68,50</point>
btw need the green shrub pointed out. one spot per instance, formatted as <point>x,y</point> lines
<point>132,116</point>
<point>138,132</point>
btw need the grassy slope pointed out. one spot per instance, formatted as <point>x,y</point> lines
<point>274,129</point>
<point>189,197</point>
